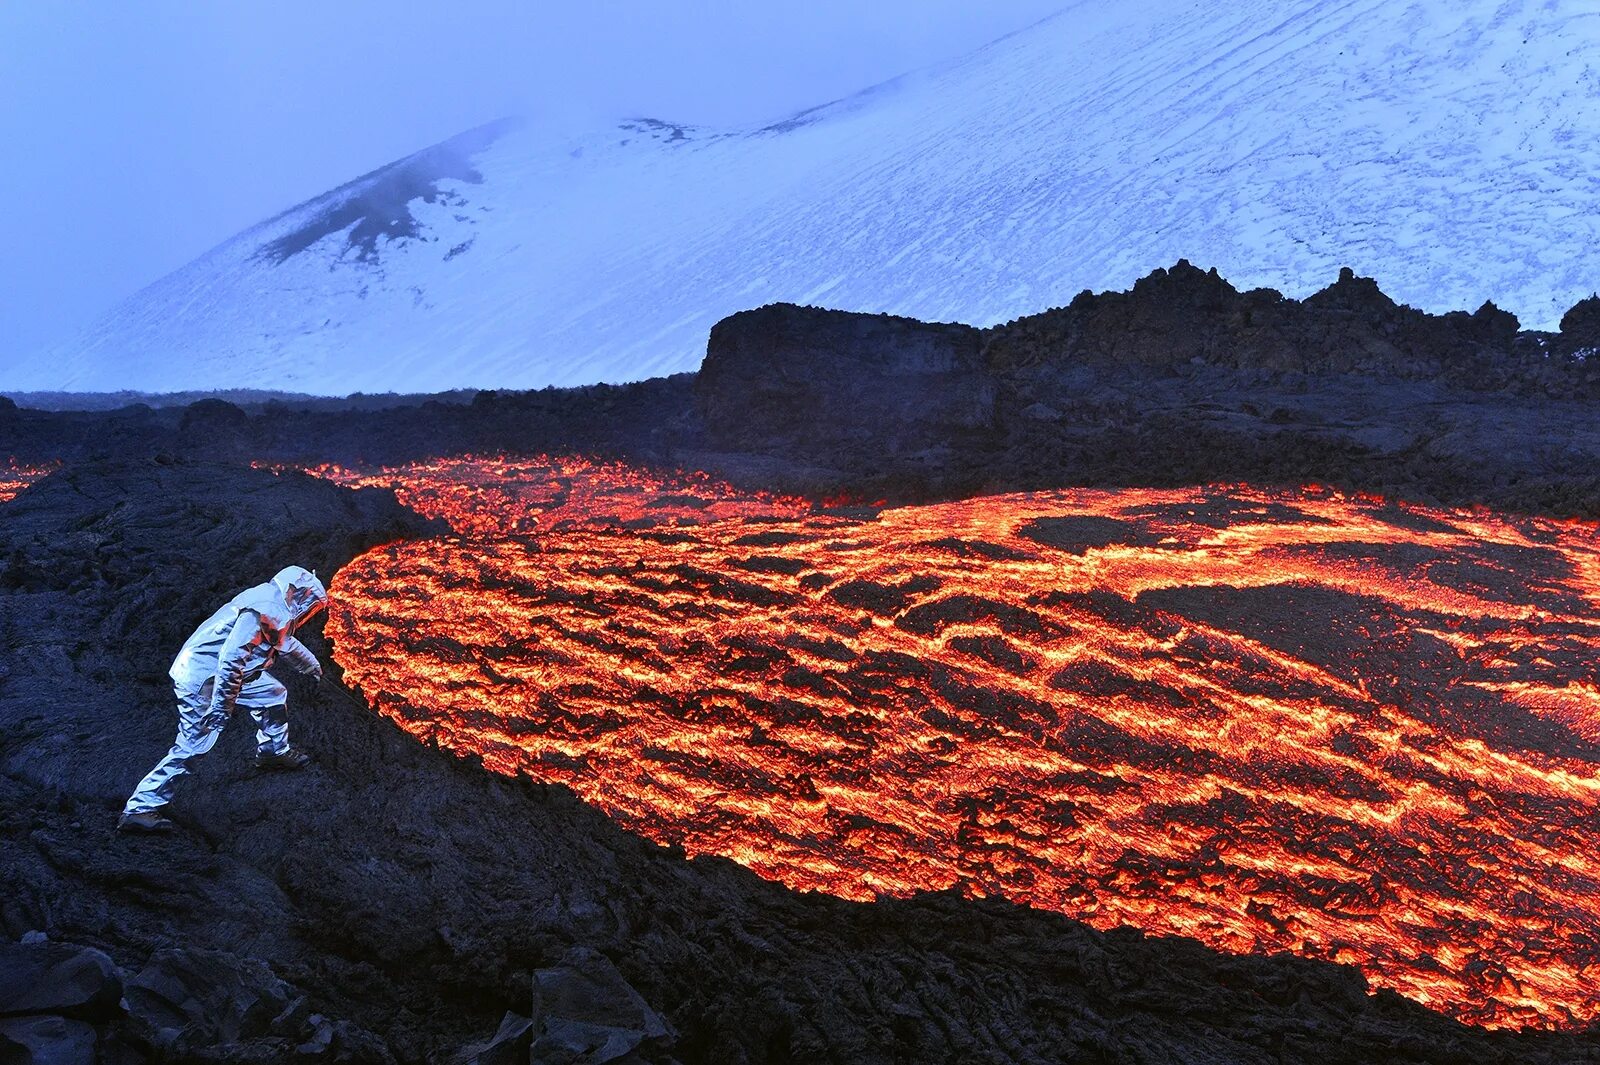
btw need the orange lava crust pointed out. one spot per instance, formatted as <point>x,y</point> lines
<point>1305,722</point>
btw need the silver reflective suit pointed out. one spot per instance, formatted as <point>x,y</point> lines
<point>224,664</point>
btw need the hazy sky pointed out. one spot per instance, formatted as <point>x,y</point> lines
<point>139,135</point>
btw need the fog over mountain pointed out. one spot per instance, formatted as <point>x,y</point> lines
<point>1452,150</point>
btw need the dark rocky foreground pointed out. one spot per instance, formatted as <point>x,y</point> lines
<point>393,903</point>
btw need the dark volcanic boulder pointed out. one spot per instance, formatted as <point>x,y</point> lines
<point>1184,315</point>
<point>43,977</point>
<point>45,1040</point>
<point>216,429</point>
<point>1494,326</point>
<point>510,1044</point>
<point>220,1006</point>
<point>214,416</point>
<point>588,1013</point>
<point>205,997</point>
<point>1580,326</point>
<point>814,380</point>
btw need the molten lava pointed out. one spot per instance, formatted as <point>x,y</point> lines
<point>15,476</point>
<point>1331,725</point>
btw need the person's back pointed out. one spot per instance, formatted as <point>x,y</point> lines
<point>200,656</point>
<point>223,665</point>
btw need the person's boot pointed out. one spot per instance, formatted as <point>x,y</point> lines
<point>144,821</point>
<point>288,759</point>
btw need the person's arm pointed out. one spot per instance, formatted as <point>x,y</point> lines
<point>299,658</point>
<point>233,661</point>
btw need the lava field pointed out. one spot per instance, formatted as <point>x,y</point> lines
<point>1303,721</point>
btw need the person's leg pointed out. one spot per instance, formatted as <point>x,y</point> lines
<point>155,790</point>
<point>267,701</point>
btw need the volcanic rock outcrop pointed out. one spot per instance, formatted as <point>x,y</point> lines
<point>410,901</point>
<point>1580,327</point>
<point>1181,379</point>
<point>801,377</point>
<point>1185,315</point>
<point>781,357</point>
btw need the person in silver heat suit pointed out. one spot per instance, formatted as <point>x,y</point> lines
<point>223,665</point>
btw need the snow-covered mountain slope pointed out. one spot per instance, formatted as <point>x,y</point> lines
<point>1451,148</point>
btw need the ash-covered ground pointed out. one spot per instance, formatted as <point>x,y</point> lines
<point>395,902</point>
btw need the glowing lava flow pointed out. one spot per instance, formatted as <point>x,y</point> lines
<point>15,476</point>
<point>1304,722</point>
<point>486,498</point>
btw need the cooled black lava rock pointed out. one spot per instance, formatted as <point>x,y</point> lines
<point>1580,326</point>
<point>1185,315</point>
<point>588,1013</point>
<point>45,977</point>
<point>46,1040</point>
<point>511,1044</point>
<point>213,415</point>
<point>202,998</point>
<point>813,379</point>
<point>1182,379</point>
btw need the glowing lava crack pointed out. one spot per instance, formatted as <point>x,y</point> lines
<point>15,476</point>
<point>1303,722</point>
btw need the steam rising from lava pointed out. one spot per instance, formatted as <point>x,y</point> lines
<point>1271,721</point>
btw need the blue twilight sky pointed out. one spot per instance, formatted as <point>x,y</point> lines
<point>137,135</point>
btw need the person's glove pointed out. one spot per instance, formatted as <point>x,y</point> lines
<point>316,674</point>
<point>212,720</point>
